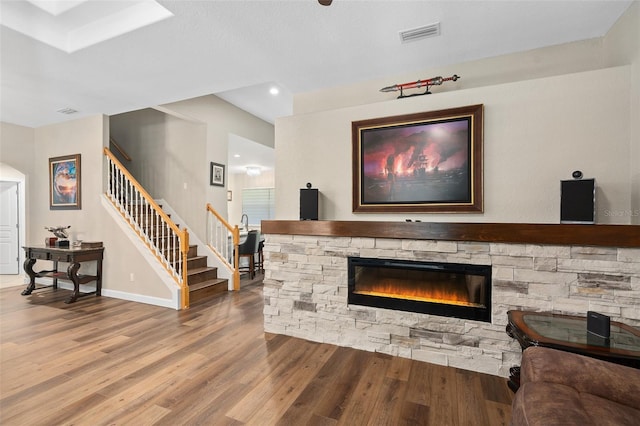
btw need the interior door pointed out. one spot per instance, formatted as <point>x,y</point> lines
<point>9,263</point>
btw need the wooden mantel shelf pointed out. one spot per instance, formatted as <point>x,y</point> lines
<point>526,233</point>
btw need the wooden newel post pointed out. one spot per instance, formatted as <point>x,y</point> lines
<point>236,259</point>
<point>184,250</point>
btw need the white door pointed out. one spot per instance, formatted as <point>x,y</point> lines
<point>9,263</point>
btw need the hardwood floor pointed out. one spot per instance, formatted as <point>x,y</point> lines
<point>103,361</point>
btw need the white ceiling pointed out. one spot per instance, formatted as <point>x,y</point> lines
<point>239,49</point>
<point>71,25</point>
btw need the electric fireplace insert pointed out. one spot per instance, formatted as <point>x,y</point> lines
<point>446,289</point>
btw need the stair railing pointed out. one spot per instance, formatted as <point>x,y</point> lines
<point>223,240</point>
<point>166,241</point>
<point>118,148</point>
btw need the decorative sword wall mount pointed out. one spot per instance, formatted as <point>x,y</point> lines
<point>435,81</point>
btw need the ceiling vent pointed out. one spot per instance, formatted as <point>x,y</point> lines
<point>67,111</point>
<point>431,30</point>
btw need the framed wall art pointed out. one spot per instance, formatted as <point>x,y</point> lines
<point>216,174</point>
<point>428,162</point>
<point>65,182</point>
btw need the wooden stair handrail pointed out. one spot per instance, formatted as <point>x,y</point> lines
<point>183,235</point>
<point>220,218</point>
<point>235,232</point>
<point>118,148</point>
<point>142,191</point>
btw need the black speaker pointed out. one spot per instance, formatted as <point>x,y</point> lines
<point>578,201</point>
<point>598,324</point>
<point>308,204</point>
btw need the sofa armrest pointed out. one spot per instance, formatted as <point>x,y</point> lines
<point>589,375</point>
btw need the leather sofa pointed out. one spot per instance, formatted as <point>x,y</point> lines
<point>562,388</point>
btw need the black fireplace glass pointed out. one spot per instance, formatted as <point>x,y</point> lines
<point>446,289</point>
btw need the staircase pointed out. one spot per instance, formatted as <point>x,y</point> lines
<point>203,280</point>
<point>164,238</point>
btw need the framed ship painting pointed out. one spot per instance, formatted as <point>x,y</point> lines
<point>427,162</point>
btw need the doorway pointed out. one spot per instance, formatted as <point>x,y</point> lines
<point>9,228</point>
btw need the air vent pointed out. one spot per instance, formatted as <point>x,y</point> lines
<point>431,30</point>
<point>67,111</point>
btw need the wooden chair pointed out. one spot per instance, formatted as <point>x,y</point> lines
<point>248,249</point>
<point>260,259</point>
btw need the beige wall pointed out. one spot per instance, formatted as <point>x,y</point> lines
<point>128,272</point>
<point>29,150</point>
<point>17,146</point>
<point>547,112</point>
<point>175,152</point>
<point>17,149</point>
<point>544,62</point>
<point>622,46</point>
<point>84,137</point>
<point>92,223</point>
<point>240,181</point>
<point>172,149</point>
<point>536,132</point>
<point>167,155</point>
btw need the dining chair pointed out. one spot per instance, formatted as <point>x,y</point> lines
<point>248,249</point>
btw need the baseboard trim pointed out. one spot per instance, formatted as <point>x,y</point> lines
<point>116,294</point>
<point>150,300</point>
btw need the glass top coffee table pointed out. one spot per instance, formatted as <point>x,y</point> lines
<point>569,333</point>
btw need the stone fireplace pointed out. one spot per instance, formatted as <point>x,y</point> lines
<point>439,288</point>
<point>557,268</point>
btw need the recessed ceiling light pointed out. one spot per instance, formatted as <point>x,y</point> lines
<point>236,155</point>
<point>274,91</point>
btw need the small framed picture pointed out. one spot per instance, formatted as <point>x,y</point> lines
<point>216,175</point>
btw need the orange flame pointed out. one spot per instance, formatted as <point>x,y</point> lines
<point>438,292</point>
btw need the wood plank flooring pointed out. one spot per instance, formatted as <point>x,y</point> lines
<point>103,361</point>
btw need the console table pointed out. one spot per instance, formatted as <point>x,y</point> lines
<point>74,257</point>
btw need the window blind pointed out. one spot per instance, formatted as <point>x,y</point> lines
<point>258,204</point>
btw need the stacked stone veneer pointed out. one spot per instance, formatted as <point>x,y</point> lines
<point>305,294</point>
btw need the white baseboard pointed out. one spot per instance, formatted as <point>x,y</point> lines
<point>150,300</point>
<point>162,275</point>
<point>116,294</point>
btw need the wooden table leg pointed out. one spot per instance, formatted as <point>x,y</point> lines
<point>72,272</point>
<point>510,331</point>
<point>99,278</point>
<point>55,277</point>
<point>514,372</point>
<point>514,378</point>
<point>28,268</point>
